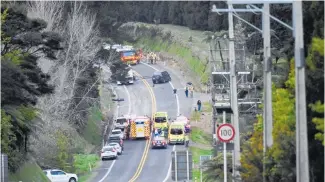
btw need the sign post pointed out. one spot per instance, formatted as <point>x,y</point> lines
<point>225,133</point>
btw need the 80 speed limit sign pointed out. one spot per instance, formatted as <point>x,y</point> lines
<point>226,132</point>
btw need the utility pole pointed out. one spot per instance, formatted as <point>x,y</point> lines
<point>233,92</point>
<point>302,158</point>
<point>267,111</point>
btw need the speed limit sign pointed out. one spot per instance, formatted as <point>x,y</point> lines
<point>226,132</point>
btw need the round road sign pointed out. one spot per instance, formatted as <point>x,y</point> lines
<point>226,132</point>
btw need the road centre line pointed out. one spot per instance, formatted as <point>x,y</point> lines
<point>171,84</point>
<point>178,113</point>
<point>146,150</point>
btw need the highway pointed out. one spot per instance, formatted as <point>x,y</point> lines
<point>139,162</point>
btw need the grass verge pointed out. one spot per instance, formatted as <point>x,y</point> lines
<point>199,136</point>
<point>24,174</point>
<point>197,152</point>
<point>84,163</point>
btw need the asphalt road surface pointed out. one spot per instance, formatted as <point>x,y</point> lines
<point>138,101</point>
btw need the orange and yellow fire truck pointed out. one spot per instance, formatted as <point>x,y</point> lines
<point>131,57</point>
<point>140,127</point>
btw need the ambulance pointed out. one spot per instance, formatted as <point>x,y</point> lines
<point>176,134</point>
<point>160,120</point>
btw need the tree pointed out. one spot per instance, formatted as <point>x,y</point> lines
<point>22,81</point>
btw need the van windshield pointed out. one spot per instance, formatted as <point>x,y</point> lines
<point>121,121</point>
<point>129,53</point>
<point>160,119</point>
<point>116,132</point>
<point>176,131</point>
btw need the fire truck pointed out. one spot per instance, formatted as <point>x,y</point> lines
<point>131,57</point>
<point>139,127</point>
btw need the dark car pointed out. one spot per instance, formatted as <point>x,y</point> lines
<point>116,139</point>
<point>161,77</point>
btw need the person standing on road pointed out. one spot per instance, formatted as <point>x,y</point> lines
<point>186,91</point>
<point>199,105</point>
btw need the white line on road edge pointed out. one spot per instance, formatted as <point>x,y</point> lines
<point>170,167</point>
<point>177,101</point>
<point>108,171</point>
<point>116,115</point>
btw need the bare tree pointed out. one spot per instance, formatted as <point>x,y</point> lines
<point>80,47</point>
<point>50,11</point>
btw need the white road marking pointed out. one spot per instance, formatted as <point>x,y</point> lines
<point>170,167</point>
<point>108,171</point>
<point>177,101</point>
<point>171,84</point>
<point>116,115</point>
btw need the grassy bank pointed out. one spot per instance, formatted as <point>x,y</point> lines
<point>92,131</point>
<point>24,174</point>
<point>196,65</point>
<point>199,136</point>
<point>84,164</point>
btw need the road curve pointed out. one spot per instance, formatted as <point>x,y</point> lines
<point>126,165</point>
<point>158,164</point>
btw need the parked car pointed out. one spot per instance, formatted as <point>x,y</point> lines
<point>161,77</point>
<point>116,139</point>
<point>56,175</point>
<point>117,146</point>
<point>108,152</point>
<point>118,132</point>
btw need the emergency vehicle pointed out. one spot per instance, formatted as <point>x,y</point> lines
<point>160,120</point>
<point>140,127</point>
<point>131,57</point>
<point>176,134</point>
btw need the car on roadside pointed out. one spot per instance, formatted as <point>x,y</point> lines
<point>118,132</point>
<point>57,175</point>
<point>117,146</point>
<point>108,152</point>
<point>116,139</point>
<point>161,77</point>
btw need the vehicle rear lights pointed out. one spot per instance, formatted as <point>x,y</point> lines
<point>113,150</point>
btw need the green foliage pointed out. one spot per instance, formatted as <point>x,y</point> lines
<point>15,56</point>
<point>196,152</point>
<point>62,142</point>
<point>7,134</point>
<point>92,130</point>
<point>199,136</point>
<point>83,162</point>
<point>316,50</point>
<point>318,107</point>
<point>214,170</point>
<point>29,172</point>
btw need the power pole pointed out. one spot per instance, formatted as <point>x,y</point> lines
<point>233,92</point>
<point>267,110</point>
<point>302,158</point>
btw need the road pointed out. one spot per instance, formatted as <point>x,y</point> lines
<point>137,162</point>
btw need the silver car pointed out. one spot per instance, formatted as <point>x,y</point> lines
<point>117,147</point>
<point>108,152</point>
